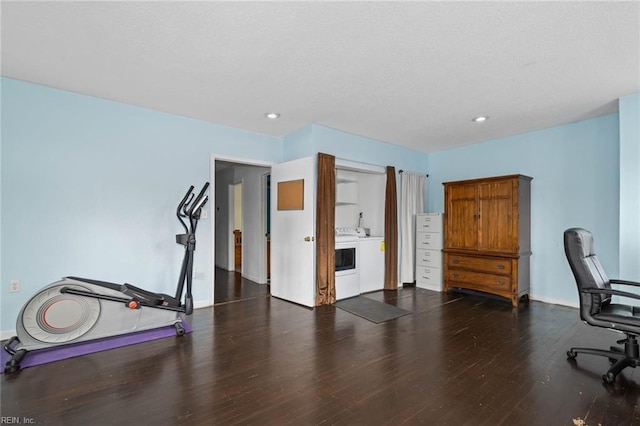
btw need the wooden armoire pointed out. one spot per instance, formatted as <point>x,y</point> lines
<point>487,236</point>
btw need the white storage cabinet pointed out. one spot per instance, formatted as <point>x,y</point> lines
<point>429,251</point>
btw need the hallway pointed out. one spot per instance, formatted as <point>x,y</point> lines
<point>231,287</point>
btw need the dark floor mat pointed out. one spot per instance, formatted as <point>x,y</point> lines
<point>370,309</point>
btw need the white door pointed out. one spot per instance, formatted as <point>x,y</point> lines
<point>293,254</point>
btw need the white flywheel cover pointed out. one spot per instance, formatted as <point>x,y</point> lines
<point>54,317</point>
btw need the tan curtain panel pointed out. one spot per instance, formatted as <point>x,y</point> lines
<point>391,232</point>
<point>325,231</point>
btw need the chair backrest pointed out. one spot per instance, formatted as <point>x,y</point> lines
<point>587,270</point>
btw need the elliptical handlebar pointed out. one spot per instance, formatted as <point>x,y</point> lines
<point>198,202</point>
<point>185,202</point>
<point>198,205</point>
<point>185,206</point>
<point>190,206</point>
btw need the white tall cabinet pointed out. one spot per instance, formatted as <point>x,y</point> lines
<point>429,251</point>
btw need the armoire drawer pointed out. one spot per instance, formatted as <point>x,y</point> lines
<point>479,280</point>
<point>481,264</point>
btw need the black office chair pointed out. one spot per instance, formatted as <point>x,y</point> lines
<point>596,309</point>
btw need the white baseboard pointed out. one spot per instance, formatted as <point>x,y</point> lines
<point>202,304</point>
<point>4,335</point>
<point>552,301</point>
<point>252,278</point>
<point>429,286</point>
<point>221,266</point>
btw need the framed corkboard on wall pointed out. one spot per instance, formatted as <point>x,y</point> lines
<point>291,195</point>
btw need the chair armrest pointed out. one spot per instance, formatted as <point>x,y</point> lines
<point>625,282</point>
<point>611,292</point>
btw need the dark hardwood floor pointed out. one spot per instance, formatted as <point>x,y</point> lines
<point>231,287</point>
<point>456,360</point>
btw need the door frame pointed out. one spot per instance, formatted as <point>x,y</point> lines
<point>212,178</point>
<point>264,203</point>
<point>231,264</point>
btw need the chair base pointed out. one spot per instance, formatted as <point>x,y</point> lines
<point>620,358</point>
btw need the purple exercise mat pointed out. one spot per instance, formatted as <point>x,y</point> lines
<point>58,353</point>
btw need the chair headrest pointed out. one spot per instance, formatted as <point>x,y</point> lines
<point>580,239</point>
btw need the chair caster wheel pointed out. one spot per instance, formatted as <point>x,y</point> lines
<point>608,378</point>
<point>571,354</point>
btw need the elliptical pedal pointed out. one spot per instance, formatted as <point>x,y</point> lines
<point>142,295</point>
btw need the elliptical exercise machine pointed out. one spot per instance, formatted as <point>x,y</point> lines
<point>78,309</point>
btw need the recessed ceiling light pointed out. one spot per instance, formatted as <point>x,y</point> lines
<point>272,115</point>
<point>480,119</point>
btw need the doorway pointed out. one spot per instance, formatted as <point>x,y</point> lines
<point>240,229</point>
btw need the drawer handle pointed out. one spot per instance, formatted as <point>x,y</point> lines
<point>501,266</point>
<point>455,275</point>
<point>500,282</point>
<point>456,261</point>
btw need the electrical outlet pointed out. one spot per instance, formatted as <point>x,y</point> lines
<point>204,214</point>
<point>14,286</point>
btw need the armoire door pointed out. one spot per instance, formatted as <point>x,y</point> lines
<point>462,216</point>
<point>497,225</point>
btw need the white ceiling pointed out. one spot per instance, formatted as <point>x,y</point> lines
<point>408,73</point>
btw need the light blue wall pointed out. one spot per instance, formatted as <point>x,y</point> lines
<point>352,147</point>
<point>629,108</point>
<point>314,138</point>
<point>575,170</point>
<point>298,144</point>
<point>89,188</point>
